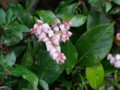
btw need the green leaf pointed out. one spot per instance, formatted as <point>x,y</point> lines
<point>23,16</point>
<point>95,19</point>
<point>48,70</point>
<point>26,74</point>
<point>116,1</point>
<point>71,54</point>
<point>17,30</point>
<point>47,16</point>
<point>63,4</point>
<point>2,16</point>
<point>113,82</point>
<point>92,1</point>
<point>95,44</point>
<point>27,60</point>
<point>115,10</point>
<point>95,75</point>
<point>85,9</point>
<point>44,85</point>
<point>81,81</point>
<point>67,12</point>
<point>108,6</point>
<point>18,50</point>
<point>108,68</point>
<point>97,6</point>
<point>30,4</point>
<point>66,82</point>
<point>8,60</point>
<point>10,39</point>
<point>9,16</point>
<point>78,20</point>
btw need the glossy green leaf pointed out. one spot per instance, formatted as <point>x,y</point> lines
<point>8,60</point>
<point>95,44</point>
<point>97,6</point>
<point>115,10</point>
<point>27,60</point>
<point>85,9</point>
<point>17,29</point>
<point>67,12</point>
<point>114,83</point>
<point>44,85</point>
<point>48,70</point>
<point>95,75</point>
<point>11,39</point>
<point>66,82</point>
<point>18,50</point>
<point>26,74</point>
<point>78,20</point>
<point>91,1</point>
<point>30,4</point>
<point>2,16</point>
<point>81,81</point>
<point>71,54</point>
<point>23,16</point>
<point>108,68</point>
<point>95,19</point>
<point>47,16</point>
<point>10,16</point>
<point>63,4</point>
<point>108,6</point>
<point>116,1</point>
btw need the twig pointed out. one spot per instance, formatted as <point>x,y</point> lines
<point>27,35</point>
<point>79,2</point>
<point>106,15</point>
<point>3,79</point>
<point>3,87</point>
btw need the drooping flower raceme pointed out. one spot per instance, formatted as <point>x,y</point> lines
<point>52,35</point>
<point>114,59</point>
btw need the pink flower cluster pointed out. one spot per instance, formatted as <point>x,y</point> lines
<point>114,59</point>
<point>52,35</point>
<point>118,36</point>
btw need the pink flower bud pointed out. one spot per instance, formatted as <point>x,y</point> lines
<point>62,27</point>
<point>110,0</point>
<point>109,56</point>
<point>49,47</point>
<point>118,36</point>
<point>50,33</point>
<point>117,64</point>
<point>55,55</point>
<point>70,23</point>
<point>39,21</point>
<point>56,28</point>
<point>57,21</point>
<point>112,60</point>
<point>38,31</point>
<point>45,26</point>
<point>42,36</point>
<point>69,34</point>
<point>117,57</point>
<point>36,26</point>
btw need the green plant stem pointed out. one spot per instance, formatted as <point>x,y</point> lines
<point>116,76</point>
<point>6,73</point>
<point>116,84</point>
